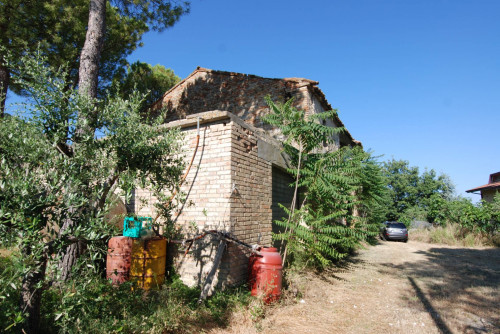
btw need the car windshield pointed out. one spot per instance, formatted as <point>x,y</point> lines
<point>396,225</point>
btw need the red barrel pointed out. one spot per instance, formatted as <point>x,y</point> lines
<point>265,274</point>
<point>119,259</point>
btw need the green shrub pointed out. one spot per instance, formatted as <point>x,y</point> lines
<point>460,222</point>
<point>411,214</point>
<point>10,282</point>
<point>58,178</point>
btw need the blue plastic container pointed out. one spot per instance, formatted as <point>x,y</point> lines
<point>136,227</point>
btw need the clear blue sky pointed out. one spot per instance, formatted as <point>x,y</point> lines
<point>417,80</point>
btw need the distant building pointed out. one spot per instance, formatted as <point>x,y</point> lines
<point>488,191</point>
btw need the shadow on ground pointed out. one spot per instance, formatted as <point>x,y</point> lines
<point>459,284</point>
<point>350,264</point>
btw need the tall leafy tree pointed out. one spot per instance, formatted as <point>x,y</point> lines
<point>150,81</point>
<point>412,193</point>
<point>57,28</point>
<point>14,36</point>
<point>154,14</point>
<point>374,195</point>
<point>402,181</point>
<point>68,25</point>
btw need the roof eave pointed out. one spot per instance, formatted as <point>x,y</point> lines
<point>322,99</point>
<point>485,187</point>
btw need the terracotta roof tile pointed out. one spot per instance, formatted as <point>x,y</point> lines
<point>493,185</point>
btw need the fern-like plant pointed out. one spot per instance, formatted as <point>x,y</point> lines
<point>335,186</point>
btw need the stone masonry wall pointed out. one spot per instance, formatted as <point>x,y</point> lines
<point>241,94</point>
<point>244,96</point>
<point>489,195</point>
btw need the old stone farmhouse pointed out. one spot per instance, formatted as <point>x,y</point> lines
<point>238,176</point>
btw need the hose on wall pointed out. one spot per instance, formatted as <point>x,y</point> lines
<point>183,178</point>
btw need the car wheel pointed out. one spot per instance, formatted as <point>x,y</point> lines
<point>406,240</point>
<point>382,237</point>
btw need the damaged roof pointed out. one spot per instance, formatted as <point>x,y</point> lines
<point>173,97</point>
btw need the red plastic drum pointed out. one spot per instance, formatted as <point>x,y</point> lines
<point>265,274</point>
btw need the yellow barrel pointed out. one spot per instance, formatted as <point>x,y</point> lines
<point>147,267</point>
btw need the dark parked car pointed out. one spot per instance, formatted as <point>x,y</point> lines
<point>395,231</point>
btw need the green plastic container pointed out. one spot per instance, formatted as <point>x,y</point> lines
<point>137,227</point>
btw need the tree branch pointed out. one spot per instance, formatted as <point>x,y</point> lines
<point>108,184</point>
<point>65,149</point>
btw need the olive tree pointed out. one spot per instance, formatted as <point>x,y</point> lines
<point>55,196</point>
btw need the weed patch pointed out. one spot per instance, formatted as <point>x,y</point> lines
<point>98,307</point>
<point>90,304</point>
<point>453,235</point>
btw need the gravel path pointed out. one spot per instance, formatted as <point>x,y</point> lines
<point>392,287</point>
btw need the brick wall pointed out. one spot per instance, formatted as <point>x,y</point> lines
<point>207,193</point>
<point>229,188</point>
<point>251,200</point>
<point>244,202</point>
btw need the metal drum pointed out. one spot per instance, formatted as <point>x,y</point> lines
<point>266,274</point>
<point>118,259</point>
<point>148,262</point>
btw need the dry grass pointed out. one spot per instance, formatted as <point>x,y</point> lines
<point>452,235</point>
<point>5,252</point>
<point>389,288</point>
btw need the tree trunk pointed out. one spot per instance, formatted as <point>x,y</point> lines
<point>4,70</point>
<point>31,297</point>
<point>4,85</point>
<point>91,52</point>
<point>69,255</point>
<point>88,74</point>
<point>68,260</point>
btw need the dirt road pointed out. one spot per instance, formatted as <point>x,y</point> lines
<point>393,287</point>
